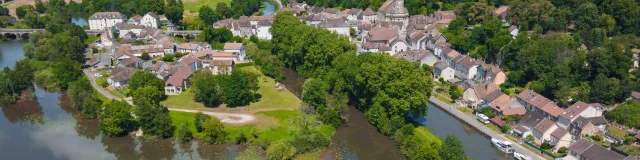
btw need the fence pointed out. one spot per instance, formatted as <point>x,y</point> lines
<point>545,152</point>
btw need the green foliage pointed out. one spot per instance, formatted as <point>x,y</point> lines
<point>145,56</point>
<point>309,140</point>
<point>628,140</point>
<point>149,93</point>
<point>215,35</point>
<point>474,13</point>
<point>102,81</point>
<point>140,79</point>
<point>174,11</point>
<point>168,58</point>
<point>83,98</point>
<point>545,145</point>
<point>66,71</point>
<point>208,16</point>
<point>627,114</point>
<point>414,147</point>
<point>183,134</point>
<point>455,92</point>
<point>453,149</point>
<point>14,81</point>
<point>244,7</point>
<point>213,131</point>
<point>280,151</point>
<point>596,137</point>
<point>562,150</point>
<point>505,129</point>
<point>314,92</point>
<point>269,64</point>
<point>205,88</point>
<point>116,119</point>
<point>199,120</point>
<point>239,88</point>
<point>91,106</point>
<point>254,39</point>
<point>153,118</point>
<point>488,111</point>
<point>22,11</point>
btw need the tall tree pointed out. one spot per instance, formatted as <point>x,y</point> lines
<point>116,119</point>
<point>213,131</point>
<point>240,88</point>
<point>205,88</point>
<point>140,79</point>
<point>452,149</point>
<point>153,118</point>
<point>207,15</point>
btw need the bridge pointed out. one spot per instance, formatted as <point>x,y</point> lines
<point>24,33</point>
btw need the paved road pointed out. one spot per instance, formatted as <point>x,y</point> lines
<point>102,91</point>
<point>473,122</point>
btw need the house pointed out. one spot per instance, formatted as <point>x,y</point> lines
<point>220,66</point>
<point>355,15</point>
<point>337,25</point>
<point>560,138</point>
<point>101,61</point>
<point>314,19</point>
<point>505,105</point>
<point>527,124</point>
<point>493,74</point>
<point>126,30</point>
<point>393,10</point>
<point>584,149</point>
<point>120,76</point>
<point>192,62</point>
<point>369,15</point>
<point>448,55</point>
<point>542,131</point>
<point>384,40</point>
<point>103,20</point>
<point>131,62</point>
<point>254,20</point>
<point>179,81</point>
<point>158,67</point>
<point>236,48</point>
<point>442,70</point>
<point>332,12</point>
<point>421,56</point>
<point>513,30</point>
<point>262,30</point>
<point>135,20</point>
<point>583,127</point>
<point>501,13</point>
<point>540,104</point>
<point>579,109</point>
<point>476,95</point>
<point>635,96</point>
<point>192,47</point>
<point>150,20</point>
<point>470,67</point>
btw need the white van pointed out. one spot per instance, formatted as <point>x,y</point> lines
<point>482,118</point>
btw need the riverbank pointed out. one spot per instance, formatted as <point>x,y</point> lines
<point>485,131</point>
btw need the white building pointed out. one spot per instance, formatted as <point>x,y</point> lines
<point>338,25</point>
<point>237,49</point>
<point>103,20</point>
<point>150,20</point>
<point>262,30</point>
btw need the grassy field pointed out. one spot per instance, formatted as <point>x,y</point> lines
<point>492,127</point>
<point>615,132</point>
<point>194,5</point>
<point>114,92</point>
<point>464,110</point>
<point>271,99</point>
<point>427,135</point>
<point>91,39</point>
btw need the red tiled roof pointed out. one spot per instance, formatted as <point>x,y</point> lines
<point>545,125</point>
<point>496,120</point>
<point>559,133</point>
<point>233,46</point>
<point>574,110</point>
<point>552,109</point>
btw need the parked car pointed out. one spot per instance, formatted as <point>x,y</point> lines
<point>98,75</point>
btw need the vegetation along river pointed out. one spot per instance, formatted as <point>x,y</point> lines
<point>47,127</point>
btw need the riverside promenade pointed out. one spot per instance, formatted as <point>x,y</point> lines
<point>470,120</point>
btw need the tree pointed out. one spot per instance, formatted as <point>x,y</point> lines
<point>223,10</point>
<point>199,120</point>
<point>207,15</point>
<point>153,118</point>
<point>145,56</point>
<point>205,88</point>
<point>213,131</point>
<point>116,119</point>
<point>314,92</point>
<point>174,11</point>
<point>5,12</point>
<point>527,13</point>
<point>475,13</point>
<point>148,93</point>
<point>253,38</point>
<point>168,58</point>
<point>453,149</point>
<point>626,114</point>
<point>488,111</point>
<point>455,92</point>
<point>91,106</point>
<point>40,7</point>
<point>23,10</point>
<point>352,32</point>
<point>140,79</point>
<point>280,151</point>
<point>183,134</point>
<point>562,150</point>
<point>240,88</point>
<point>66,71</point>
<point>545,145</point>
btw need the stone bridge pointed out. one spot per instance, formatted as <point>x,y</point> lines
<point>24,33</point>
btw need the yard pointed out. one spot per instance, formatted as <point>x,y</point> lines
<point>194,5</point>
<point>464,110</point>
<point>271,99</point>
<point>91,39</point>
<point>615,132</point>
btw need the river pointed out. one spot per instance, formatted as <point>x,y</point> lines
<point>269,8</point>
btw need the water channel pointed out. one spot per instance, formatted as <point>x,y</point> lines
<point>269,8</point>
<point>47,127</point>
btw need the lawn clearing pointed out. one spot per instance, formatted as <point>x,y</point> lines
<point>194,5</point>
<point>423,132</point>
<point>91,39</point>
<point>464,109</point>
<point>444,99</point>
<point>183,100</point>
<point>180,118</point>
<point>615,132</point>
<point>492,127</point>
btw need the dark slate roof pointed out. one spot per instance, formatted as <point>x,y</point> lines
<point>531,119</point>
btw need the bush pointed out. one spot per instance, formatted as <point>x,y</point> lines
<point>280,151</point>
<point>505,129</point>
<point>200,118</point>
<point>562,150</point>
<point>145,56</point>
<point>488,111</point>
<point>545,145</point>
<point>183,134</point>
<point>213,131</point>
<point>309,140</point>
<point>244,64</point>
<point>241,139</point>
<point>168,58</point>
<point>178,54</point>
<point>529,138</point>
<point>628,140</point>
<point>102,81</point>
<point>596,137</point>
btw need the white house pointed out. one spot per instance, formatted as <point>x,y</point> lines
<point>262,30</point>
<point>338,25</point>
<point>442,70</point>
<point>193,47</point>
<point>150,20</point>
<point>513,30</point>
<point>237,49</point>
<point>103,20</point>
<point>579,109</point>
<point>370,15</point>
<point>178,82</point>
<point>421,56</point>
<point>120,76</point>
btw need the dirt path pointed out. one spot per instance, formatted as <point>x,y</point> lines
<point>232,118</point>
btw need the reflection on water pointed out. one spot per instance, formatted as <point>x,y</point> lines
<point>80,21</point>
<point>476,145</point>
<point>358,139</point>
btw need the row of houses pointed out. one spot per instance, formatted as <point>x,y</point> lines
<point>106,20</point>
<point>177,74</point>
<point>248,26</point>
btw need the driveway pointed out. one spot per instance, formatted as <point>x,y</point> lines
<point>102,91</point>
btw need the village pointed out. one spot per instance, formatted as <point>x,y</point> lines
<point>579,131</point>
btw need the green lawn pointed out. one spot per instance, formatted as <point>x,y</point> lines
<point>178,39</point>
<point>91,39</point>
<point>180,118</point>
<point>464,110</point>
<point>427,135</point>
<point>615,132</point>
<point>115,92</point>
<point>195,6</point>
<point>492,127</point>
<point>271,99</point>
<point>444,99</point>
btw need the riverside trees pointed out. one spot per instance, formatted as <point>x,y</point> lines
<point>237,89</point>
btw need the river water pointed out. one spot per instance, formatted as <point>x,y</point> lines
<point>269,8</point>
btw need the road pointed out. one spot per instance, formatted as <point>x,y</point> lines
<point>473,122</point>
<point>232,118</point>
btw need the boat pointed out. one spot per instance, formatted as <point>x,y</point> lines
<point>504,146</point>
<point>520,156</point>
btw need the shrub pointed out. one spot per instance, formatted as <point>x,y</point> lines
<point>102,81</point>
<point>200,118</point>
<point>178,54</point>
<point>183,133</point>
<point>529,138</point>
<point>168,58</point>
<point>145,56</point>
<point>596,137</point>
<point>488,111</point>
<point>241,139</point>
<point>628,140</point>
<point>280,151</point>
<point>545,145</point>
<point>505,129</point>
<point>562,150</point>
<point>213,131</point>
